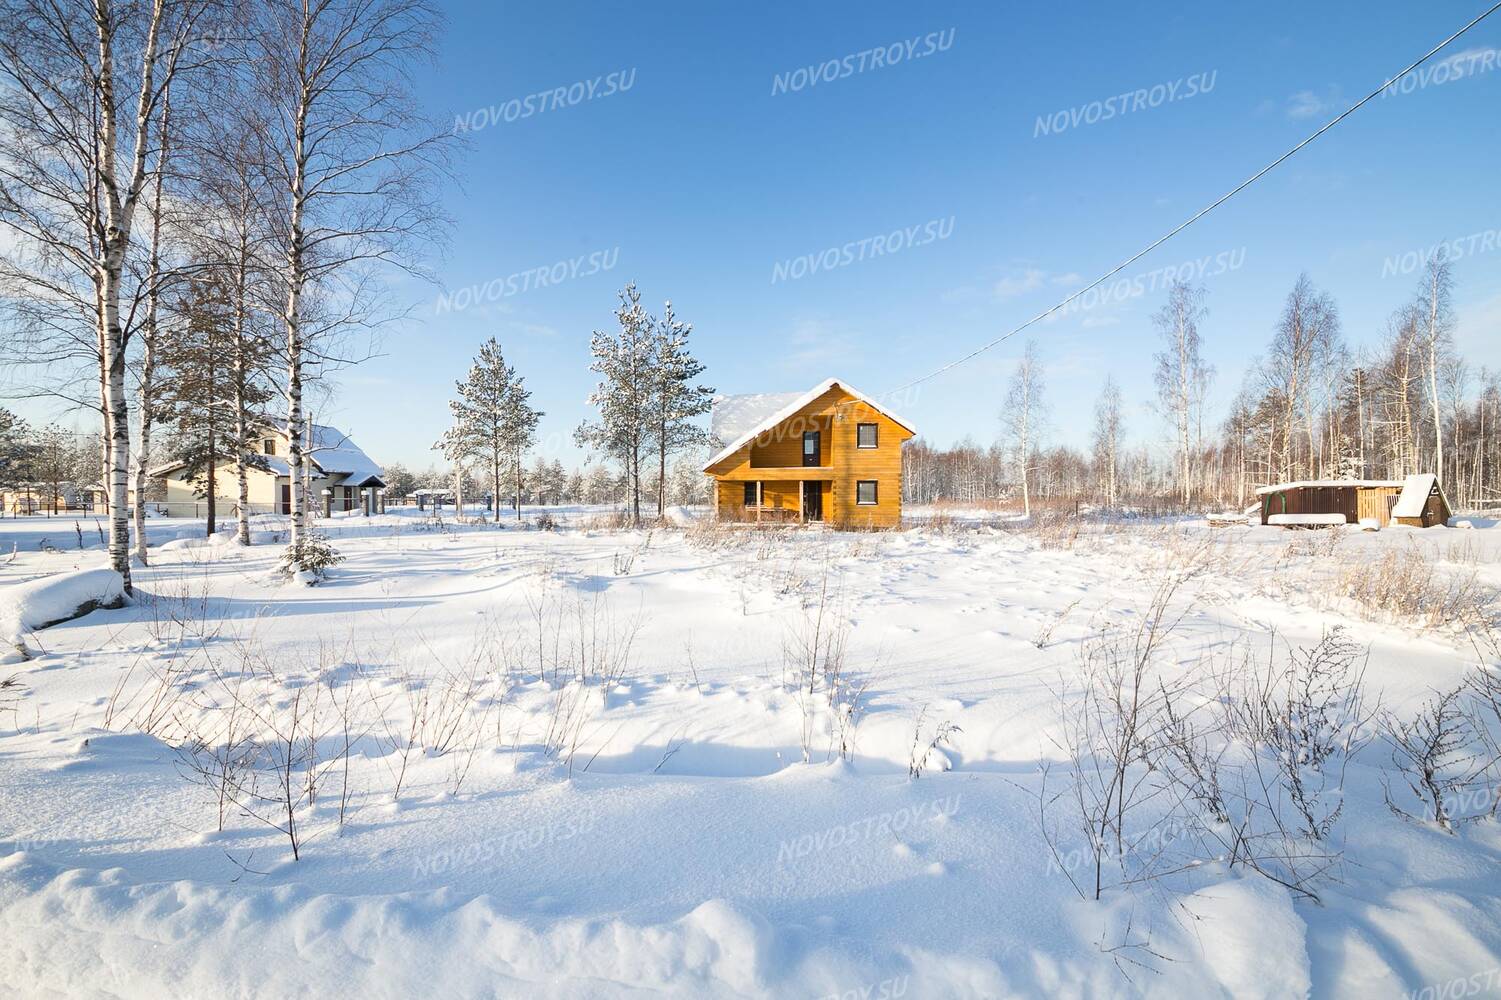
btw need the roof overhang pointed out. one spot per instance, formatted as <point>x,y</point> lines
<point>1332,484</point>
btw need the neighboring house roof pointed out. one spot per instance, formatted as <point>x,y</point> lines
<point>1320,483</point>
<point>738,419</point>
<point>1415,492</point>
<point>333,453</point>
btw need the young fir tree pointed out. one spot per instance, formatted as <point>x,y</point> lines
<point>493,417</point>
<point>624,393</point>
<point>676,400</point>
<point>205,391</point>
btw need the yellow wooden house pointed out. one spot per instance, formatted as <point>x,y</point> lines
<point>829,454</point>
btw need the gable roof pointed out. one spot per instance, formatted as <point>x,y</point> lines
<point>333,454</point>
<point>746,416</point>
<point>1415,493</point>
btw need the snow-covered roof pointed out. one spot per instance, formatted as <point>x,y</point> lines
<point>335,453</point>
<point>1346,483</point>
<point>1414,496</point>
<point>733,416</point>
<point>738,419</point>
<point>332,452</point>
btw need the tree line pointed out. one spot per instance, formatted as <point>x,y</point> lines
<point>1311,407</point>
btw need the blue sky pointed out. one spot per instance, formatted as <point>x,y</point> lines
<point>706,175</point>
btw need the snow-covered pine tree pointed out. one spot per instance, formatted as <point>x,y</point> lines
<point>493,418</point>
<point>599,486</point>
<point>676,400</point>
<point>623,396</point>
<point>15,450</point>
<point>520,432</point>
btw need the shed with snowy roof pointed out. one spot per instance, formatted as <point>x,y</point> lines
<point>831,454</point>
<point>1417,501</point>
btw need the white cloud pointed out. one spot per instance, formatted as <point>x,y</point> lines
<point>1019,283</point>
<point>1307,104</point>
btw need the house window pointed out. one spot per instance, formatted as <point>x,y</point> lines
<point>750,494</point>
<point>865,493</point>
<point>269,446</point>
<point>866,437</point>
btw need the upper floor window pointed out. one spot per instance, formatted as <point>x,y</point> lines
<point>269,446</point>
<point>866,435</point>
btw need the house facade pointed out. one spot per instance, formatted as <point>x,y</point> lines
<point>831,454</point>
<point>1417,501</point>
<point>339,466</point>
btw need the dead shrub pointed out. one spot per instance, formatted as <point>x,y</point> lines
<point>1405,584</point>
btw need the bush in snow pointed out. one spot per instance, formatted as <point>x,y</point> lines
<point>1437,754</point>
<point>309,559</point>
<point>1305,721</point>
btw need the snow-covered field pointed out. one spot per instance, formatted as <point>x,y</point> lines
<point>571,762</point>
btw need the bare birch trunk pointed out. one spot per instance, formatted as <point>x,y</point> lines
<point>241,377</point>
<point>147,393</point>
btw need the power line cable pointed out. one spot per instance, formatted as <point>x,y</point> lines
<point>1202,212</point>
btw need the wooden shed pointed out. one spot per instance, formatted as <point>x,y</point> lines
<point>1417,501</point>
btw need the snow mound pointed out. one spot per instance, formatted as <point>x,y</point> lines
<point>48,600</point>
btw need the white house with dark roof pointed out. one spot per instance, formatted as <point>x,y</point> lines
<point>339,465</point>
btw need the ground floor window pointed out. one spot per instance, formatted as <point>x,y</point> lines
<point>865,493</point>
<point>750,494</point>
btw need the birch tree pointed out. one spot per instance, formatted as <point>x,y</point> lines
<point>83,85</point>
<point>1181,372</point>
<point>1436,311</point>
<point>1023,416</point>
<point>352,166</point>
<point>233,238</point>
<point>1307,337</point>
<point>1108,428</point>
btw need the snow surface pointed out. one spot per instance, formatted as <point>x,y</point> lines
<point>46,600</point>
<point>1307,519</point>
<point>687,851</point>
